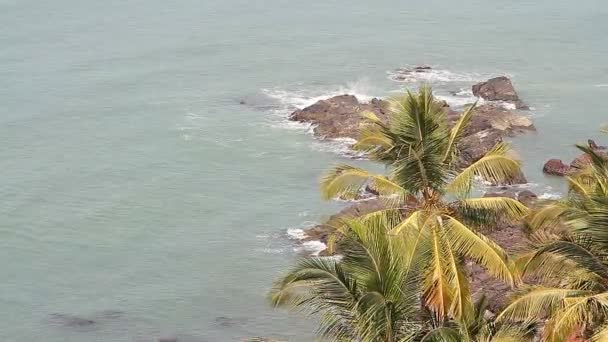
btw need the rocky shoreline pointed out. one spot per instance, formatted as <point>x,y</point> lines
<point>500,115</point>
<point>556,167</point>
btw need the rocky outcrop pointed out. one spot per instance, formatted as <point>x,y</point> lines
<point>498,89</point>
<point>339,116</point>
<point>556,167</point>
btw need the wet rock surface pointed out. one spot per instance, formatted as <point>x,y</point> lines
<point>556,167</point>
<point>498,89</point>
<point>339,116</point>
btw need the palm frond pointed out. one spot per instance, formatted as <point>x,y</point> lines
<point>481,249</point>
<point>547,217</point>
<point>495,166</point>
<point>536,302</point>
<point>457,132</point>
<point>345,181</point>
<point>491,209</point>
<point>438,294</point>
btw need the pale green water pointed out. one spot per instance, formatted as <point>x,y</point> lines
<point>132,179</point>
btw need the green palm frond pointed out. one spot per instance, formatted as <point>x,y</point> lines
<point>457,132</point>
<point>495,166</point>
<point>371,294</point>
<point>490,210</point>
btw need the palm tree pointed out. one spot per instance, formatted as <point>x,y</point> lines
<point>370,294</point>
<point>428,202</point>
<point>569,258</point>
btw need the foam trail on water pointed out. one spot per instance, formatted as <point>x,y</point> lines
<point>409,74</point>
<point>287,101</point>
<point>311,247</point>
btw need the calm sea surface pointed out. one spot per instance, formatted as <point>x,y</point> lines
<point>136,191</point>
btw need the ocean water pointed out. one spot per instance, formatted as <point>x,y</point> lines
<point>136,191</point>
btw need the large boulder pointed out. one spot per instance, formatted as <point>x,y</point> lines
<point>555,167</point>
<point>476,145</point>
<point>339,116</point>
<point>498,89</point>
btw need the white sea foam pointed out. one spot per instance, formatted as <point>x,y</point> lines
<point>290,100</point>
<point>341,146</point>
<point>287,101</point>
<point>459,101</point>
<point>549,196</point>
<point>602,85</point>
<point>408,75</point>
<point>296,233</point>
<point>312,247</point>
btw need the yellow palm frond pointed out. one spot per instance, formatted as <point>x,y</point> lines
<point>437,290</point>
<point>371,117</point>
<point>479,248</point>
<point>462,305</point>
<point>577,311</point>
<point>495,166</point>
<point>547,217</point>
<point>537,302</point>
<point>601,335</point>
<point>581,184</point>
<point>345,181</point>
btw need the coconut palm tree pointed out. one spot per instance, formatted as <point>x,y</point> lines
<point>428,191</point>
<point>569,258</point>
<point>370,294</point>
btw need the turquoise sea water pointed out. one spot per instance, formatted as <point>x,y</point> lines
<point>136,190</point>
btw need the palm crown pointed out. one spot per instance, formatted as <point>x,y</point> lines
<point>569,258</point>
<point>428,202</point>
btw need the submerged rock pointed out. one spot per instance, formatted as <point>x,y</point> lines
<point>71,320</point>
<point>498,89</point>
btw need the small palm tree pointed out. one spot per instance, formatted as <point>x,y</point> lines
<point>429,205</point>
<point>369,295</point>
<point>569,258</point>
